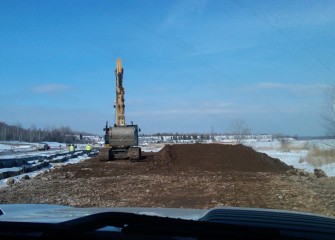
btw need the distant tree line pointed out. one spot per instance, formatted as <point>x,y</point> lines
<point>182,136</point>
<point>34,134</point>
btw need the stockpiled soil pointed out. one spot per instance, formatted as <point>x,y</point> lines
<point>186,176</point>
<point>213,157</point>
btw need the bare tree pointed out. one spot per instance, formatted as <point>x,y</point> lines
<point>18,132</point>
<point>240,129</point>
<point>328,115</point>
<point>285,142</point>
<point>32,133</point>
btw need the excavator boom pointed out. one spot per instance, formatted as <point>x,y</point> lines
<point>119,101</point>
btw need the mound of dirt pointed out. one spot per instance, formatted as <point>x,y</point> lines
<point>217,157</point>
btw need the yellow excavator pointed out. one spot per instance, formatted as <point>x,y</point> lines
<point>121,140</point>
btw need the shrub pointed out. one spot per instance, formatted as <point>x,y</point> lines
<point>318,157</point>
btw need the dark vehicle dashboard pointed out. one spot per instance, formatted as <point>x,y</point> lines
<point>217,223</point>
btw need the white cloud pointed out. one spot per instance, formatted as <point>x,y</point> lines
<point>181,12</point>
<point>206,109</point>
<point>305,89</point>
<point>48,88</point>
<point>279,14</point>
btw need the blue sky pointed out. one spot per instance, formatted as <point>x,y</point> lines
<point>189,66</point>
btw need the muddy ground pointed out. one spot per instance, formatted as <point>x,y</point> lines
<point>182,176</point>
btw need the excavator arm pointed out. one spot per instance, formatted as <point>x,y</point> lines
<point>119,101</point>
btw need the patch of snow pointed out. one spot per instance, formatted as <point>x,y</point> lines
<point>3,182</point>
<point>5,146</point>
<point>151,148</point>
<point>329,169</point>
<point>292,159</point>
<point>14,169</point>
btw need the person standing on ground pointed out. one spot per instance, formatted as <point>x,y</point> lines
<point>88,149</point>
<point>71,148</point>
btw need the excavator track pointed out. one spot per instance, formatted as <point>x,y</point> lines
<point>134,153</point>
<point>104,154</point>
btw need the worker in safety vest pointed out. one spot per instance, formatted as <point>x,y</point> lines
<point>88,149</point>
<point>71,148</point>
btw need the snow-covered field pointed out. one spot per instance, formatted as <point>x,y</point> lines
<point>3,182</point>
<point>21,151</point>
<point>293,155</point>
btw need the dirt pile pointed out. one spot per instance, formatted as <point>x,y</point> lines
<point>217,157</point>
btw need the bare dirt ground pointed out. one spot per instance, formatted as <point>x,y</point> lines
<point>182,176</point>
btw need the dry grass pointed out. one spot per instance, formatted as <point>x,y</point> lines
<point>318,157</point>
